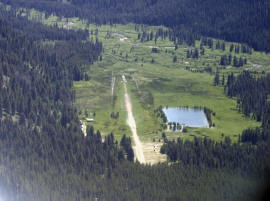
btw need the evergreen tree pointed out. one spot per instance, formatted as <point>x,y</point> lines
<point>216,80</point>
<point>175,59</point>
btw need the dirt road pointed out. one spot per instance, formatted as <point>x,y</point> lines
<point>112,84</point>
<point>138,149</point>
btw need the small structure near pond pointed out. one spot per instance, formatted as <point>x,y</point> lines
<point>89,120</point>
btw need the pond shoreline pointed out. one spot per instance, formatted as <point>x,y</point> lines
<point>190,117</point>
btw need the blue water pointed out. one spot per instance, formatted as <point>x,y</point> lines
<point>187,117</point>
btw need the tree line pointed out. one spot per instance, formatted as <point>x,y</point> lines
<point>253,101</point>
<point>238,21</point>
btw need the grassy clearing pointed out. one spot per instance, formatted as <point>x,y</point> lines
<point>157,77</point>
<point>148,127</point>
<point>178,88</point>
<point>92,98</point>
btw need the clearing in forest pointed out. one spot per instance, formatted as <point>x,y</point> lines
<point>158,73</point>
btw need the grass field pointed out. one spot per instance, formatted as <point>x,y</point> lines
<point>154,80</point>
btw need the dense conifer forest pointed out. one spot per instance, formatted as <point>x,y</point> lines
<point>253,100</point>
<point>43,152</point>
<point>238,20</point>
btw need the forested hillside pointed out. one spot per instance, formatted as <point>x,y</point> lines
<point>240,21</point>
<point>44,155</point>
<point>40,135</point>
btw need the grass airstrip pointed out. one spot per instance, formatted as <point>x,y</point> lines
<point>154,79</point>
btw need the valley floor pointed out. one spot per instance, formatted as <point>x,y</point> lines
<point>164,77</point>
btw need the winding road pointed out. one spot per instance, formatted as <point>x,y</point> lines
<point>138,149</point>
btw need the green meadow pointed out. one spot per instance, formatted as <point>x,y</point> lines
<point>154,79</point>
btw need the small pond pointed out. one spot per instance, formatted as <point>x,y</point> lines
<point>187,116</point>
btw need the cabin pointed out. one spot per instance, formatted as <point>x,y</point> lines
<point>89,120</point>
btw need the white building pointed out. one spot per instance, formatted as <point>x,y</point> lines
<point>89,120</point>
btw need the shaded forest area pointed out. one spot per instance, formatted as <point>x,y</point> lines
<point>245,21</point>
<point>253,101</point>
<point>43,154</point>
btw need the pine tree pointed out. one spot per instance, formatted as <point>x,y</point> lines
<point>235,62</point>
<point>223,80</point>
<point>216,79</point>
<point>174,59</point>
<point>231,47</point>
<point>196,54</point>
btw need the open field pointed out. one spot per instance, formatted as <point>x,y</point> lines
<point>154,79</point>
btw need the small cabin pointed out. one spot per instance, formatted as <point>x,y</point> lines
<point>89,120</point>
